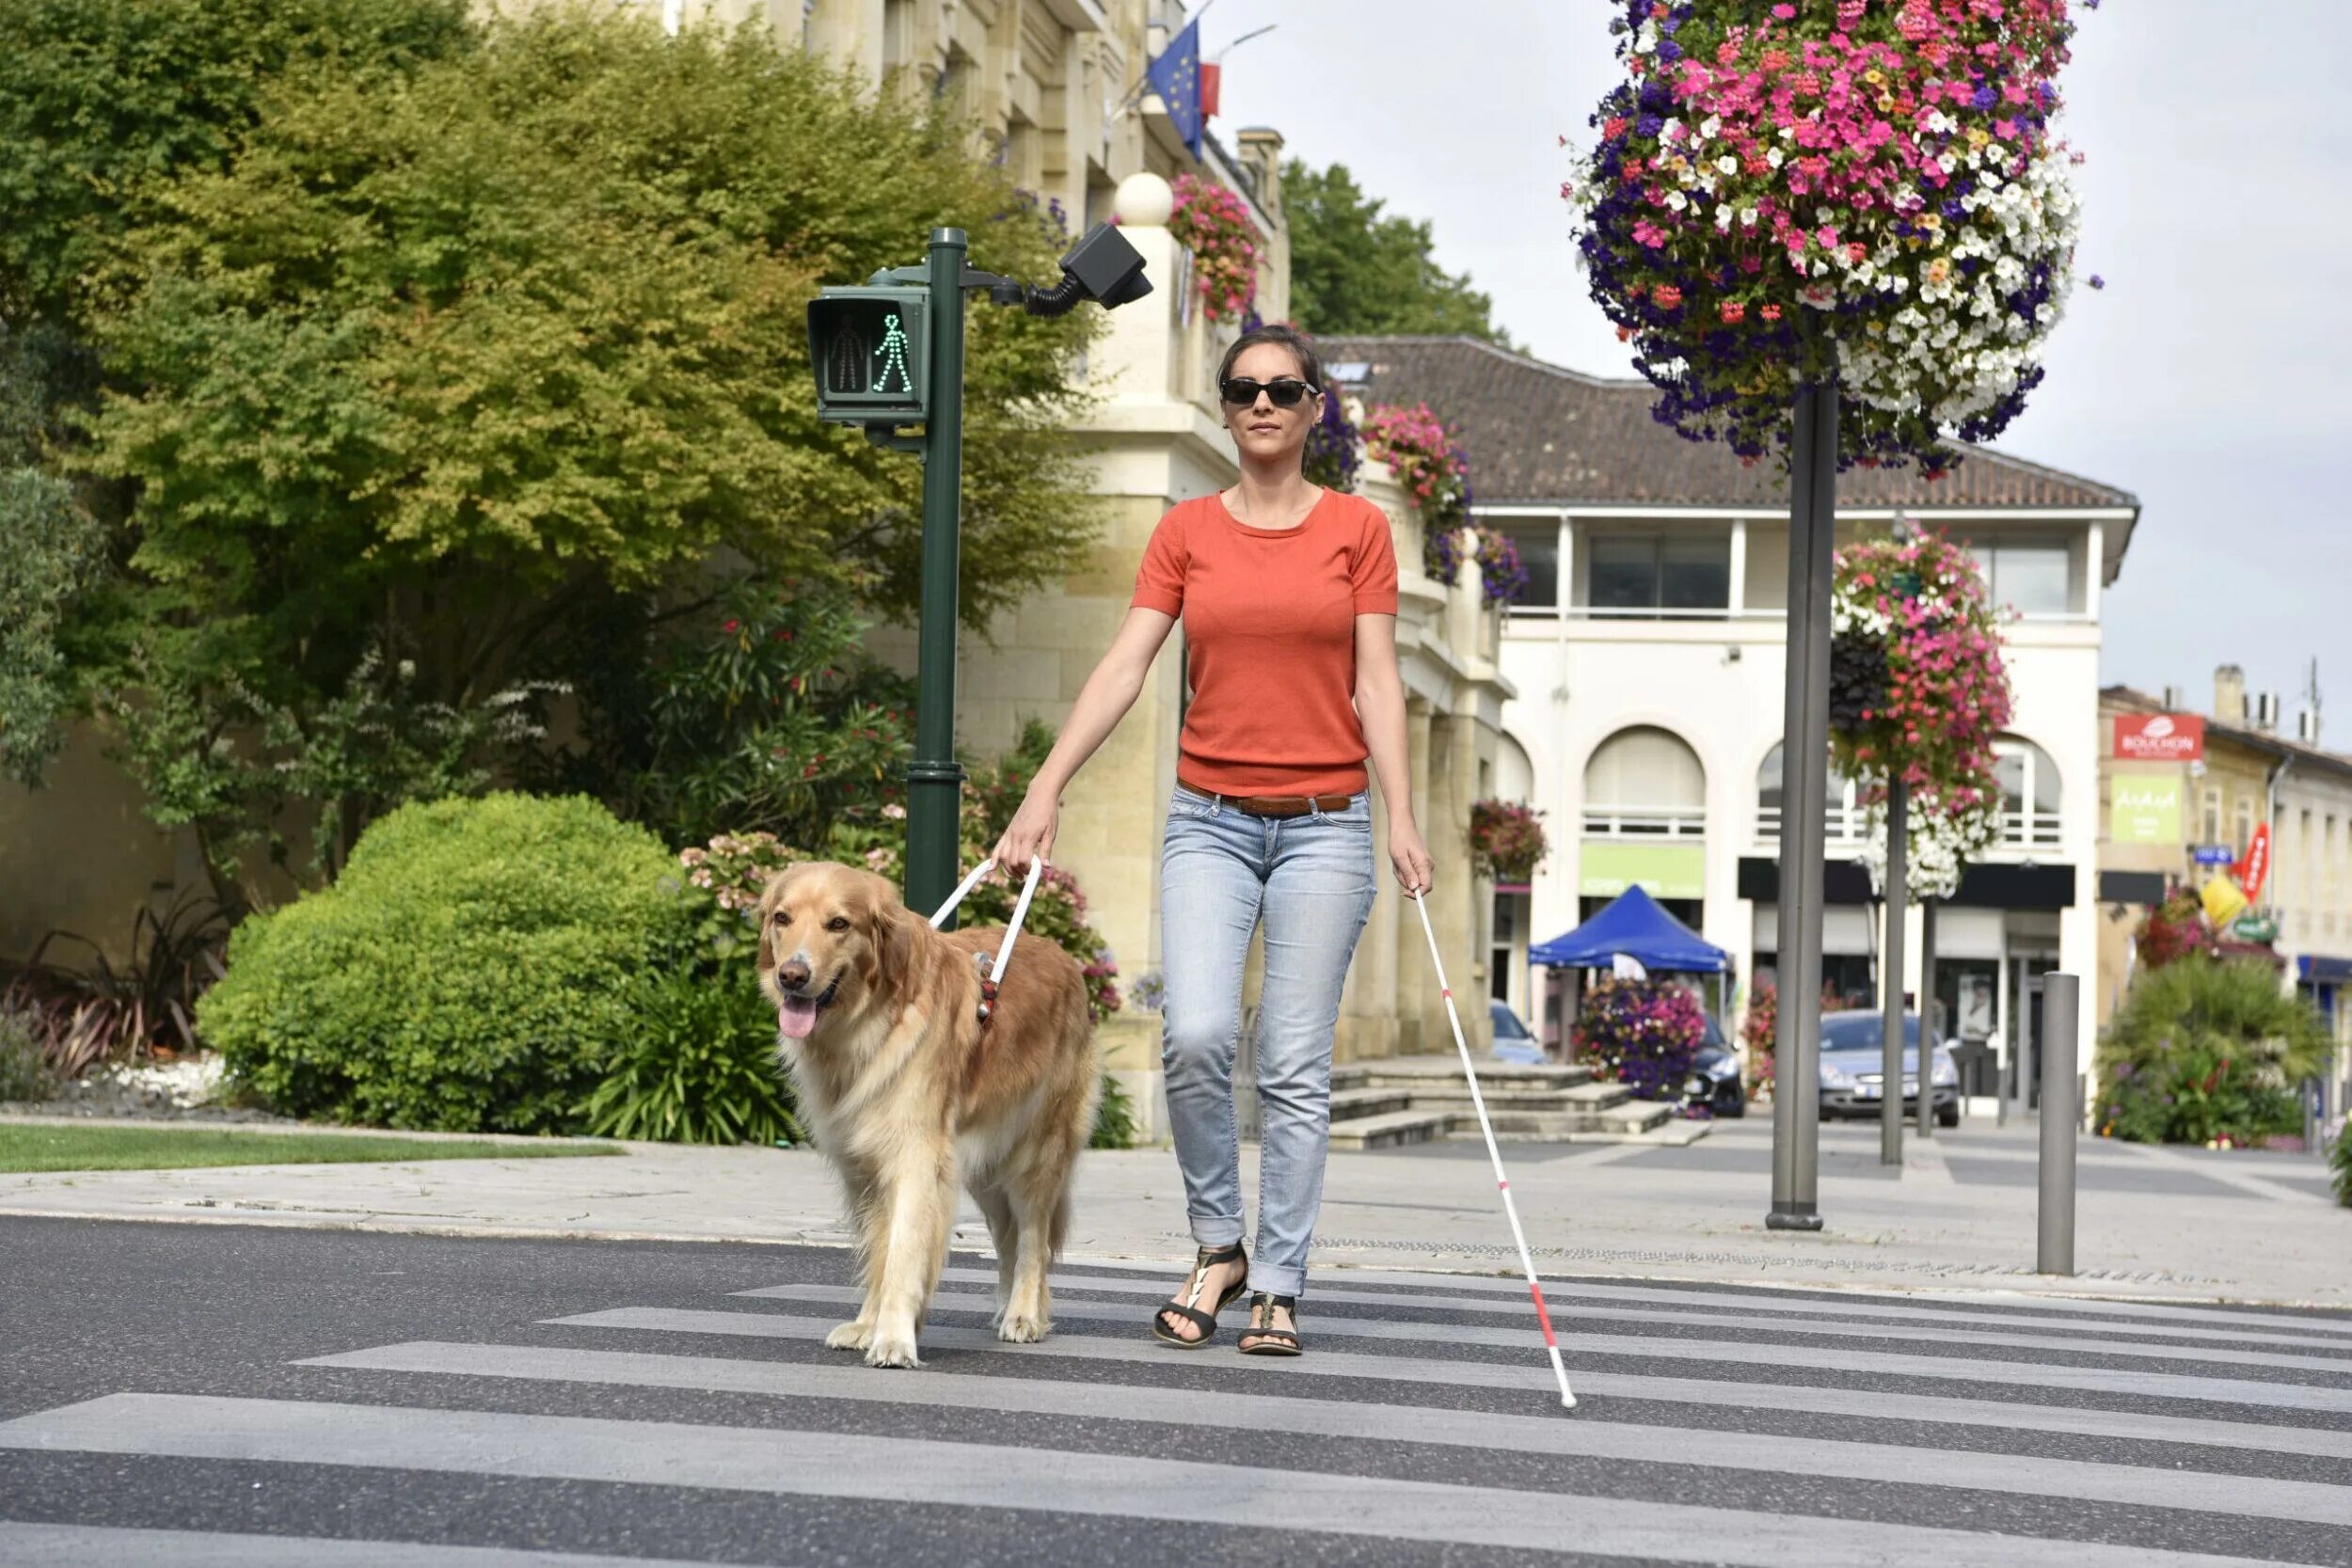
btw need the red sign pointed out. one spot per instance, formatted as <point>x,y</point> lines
<point>2159,737</point>
<point>2256,865</point>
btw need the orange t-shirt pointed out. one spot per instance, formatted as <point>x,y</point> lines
<point>1269,619</point>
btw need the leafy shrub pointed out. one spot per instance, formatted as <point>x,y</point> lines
<point>474,969</point>
<point>1114,1118</point>
<point>2205,1051</point>
<point>1642,1034</point>
<point>2340,1162</point>
<point>699,1066</point>
<point>24,1066</point>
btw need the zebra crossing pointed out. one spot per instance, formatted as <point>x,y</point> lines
<point>1718,1424</point>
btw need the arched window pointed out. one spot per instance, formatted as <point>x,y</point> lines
<point>1840,802</point>
<point>1645,782</point>
<point>2029,793</point>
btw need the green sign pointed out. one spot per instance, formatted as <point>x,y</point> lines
<point>2144,808</point>
<point>1609,866</point>
<point>2255,927</point>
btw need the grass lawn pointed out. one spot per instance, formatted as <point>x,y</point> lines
<point>113,1147</point>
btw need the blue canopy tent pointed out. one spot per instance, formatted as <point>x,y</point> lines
<point>1634,926</point>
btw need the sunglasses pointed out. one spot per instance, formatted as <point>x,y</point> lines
<point>1242,392</point>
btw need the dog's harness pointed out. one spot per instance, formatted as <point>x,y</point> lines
<point>992,973</point>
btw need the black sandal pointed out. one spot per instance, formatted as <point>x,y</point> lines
<point>1204,1322</point>
<point>1285,1342</point>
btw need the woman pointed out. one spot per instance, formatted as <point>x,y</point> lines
<point>1288,595</point>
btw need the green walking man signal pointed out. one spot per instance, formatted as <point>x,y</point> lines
<point>872,348</point>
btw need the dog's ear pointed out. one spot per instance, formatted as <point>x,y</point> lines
<point>770,898</point>
<point>889,931</point>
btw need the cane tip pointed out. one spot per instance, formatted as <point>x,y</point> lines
<point>1568,1401</point>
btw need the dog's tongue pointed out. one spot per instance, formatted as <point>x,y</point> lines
<point>797,1016</point>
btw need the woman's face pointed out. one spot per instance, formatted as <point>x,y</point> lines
<point>1260,430</point>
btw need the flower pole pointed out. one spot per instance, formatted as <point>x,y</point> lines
<point>1854,212</point>
<point>1918,695</point>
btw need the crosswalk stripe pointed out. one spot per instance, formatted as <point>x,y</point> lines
<point>838,1465</point>
<point>112,1547</point>
<point>2022,1314</point>
<point>2129,1426</point>
<point>2282,1395</point>
<point>1914,1335</point>
<point>2128,1485</point>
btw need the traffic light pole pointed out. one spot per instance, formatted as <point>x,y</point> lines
<point>934,778</point>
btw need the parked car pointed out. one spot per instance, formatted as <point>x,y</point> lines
<point>1714,1079</point>
<point>1514,1042</point>
<point>1853,1068</point>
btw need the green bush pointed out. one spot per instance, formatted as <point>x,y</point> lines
<point>476,968</point>
<point>24,1066</point>
<point>2206,1050</point>
<point>699,1068</point>
<point>1114,1118</point>
<point>2340,1160</point>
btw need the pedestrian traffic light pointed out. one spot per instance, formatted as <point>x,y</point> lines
<point>872,350</point>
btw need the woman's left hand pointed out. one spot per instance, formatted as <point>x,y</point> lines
<point>1414,868</point>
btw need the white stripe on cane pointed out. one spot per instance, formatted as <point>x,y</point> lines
<point>1478,1101</point>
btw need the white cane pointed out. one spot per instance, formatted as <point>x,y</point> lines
<point>1534,1287</point>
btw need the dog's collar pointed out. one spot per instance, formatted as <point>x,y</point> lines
<point>988,988</point>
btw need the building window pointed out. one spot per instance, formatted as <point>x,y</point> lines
<point>2209,816</point>
<point>1842,821</point>
<point>1539,556</point>
<point>2244,824</point>
<point>1645,782</point>
<point>2029,793</point>
<point>1659,575</point>
<point>2032,579</point>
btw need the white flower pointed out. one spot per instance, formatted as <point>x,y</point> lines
<point>1727,164</point>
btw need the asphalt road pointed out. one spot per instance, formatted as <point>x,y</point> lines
<point>182,1395</point>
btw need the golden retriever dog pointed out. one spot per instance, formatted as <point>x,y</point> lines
<point>904,1087</point>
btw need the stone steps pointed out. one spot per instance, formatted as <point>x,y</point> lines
<point>1420,1098</point>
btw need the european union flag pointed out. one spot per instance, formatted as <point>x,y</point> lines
<point>1176,77</point>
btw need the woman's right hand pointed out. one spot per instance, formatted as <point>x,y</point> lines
<point>1030,834</point>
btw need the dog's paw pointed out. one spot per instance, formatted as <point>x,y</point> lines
<point>850,1336</point>
<point>891,1348</point>
<point>1023,1328</point>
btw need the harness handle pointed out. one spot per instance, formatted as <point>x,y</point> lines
<point>994,973</point>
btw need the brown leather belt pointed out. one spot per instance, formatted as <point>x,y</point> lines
<point>1271,805</point>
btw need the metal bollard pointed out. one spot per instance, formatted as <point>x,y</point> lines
<point>2061,1001</point>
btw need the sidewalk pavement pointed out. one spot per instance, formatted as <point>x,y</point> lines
<point>2154,1222</point>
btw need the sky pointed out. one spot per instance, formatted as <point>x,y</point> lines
<point>2212,378</point>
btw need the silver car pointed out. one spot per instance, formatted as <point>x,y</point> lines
<point>1854,1068</point>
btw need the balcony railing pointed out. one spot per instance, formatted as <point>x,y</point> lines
<point>1646,822</point>
<point>2020,830</point>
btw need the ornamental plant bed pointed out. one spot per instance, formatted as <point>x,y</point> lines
<point>1642,1034</point>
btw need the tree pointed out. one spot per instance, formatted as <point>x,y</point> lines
<point>449,355</point>
<point>1355,269</point>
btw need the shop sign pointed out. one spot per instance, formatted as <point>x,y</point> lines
<point>1608,866</point>
<point>2144,809</point>
<point>2159,737</point>
<point>2222,900</point>
<point>2214,854</point>
<point>2255,868</point>
<point>2255,927</point>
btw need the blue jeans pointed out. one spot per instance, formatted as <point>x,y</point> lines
<point>1310,879</point>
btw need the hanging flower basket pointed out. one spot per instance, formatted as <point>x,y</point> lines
<point>1868,185</point>
<point>1331,445</point>
<point>1918,692</point>
<point>1434,473</point>
<point>1508,836</point>
<point>1214,224</point>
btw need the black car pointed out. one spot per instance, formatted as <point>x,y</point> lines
<point>1714,1080</point>
<point>1854,1068</point>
